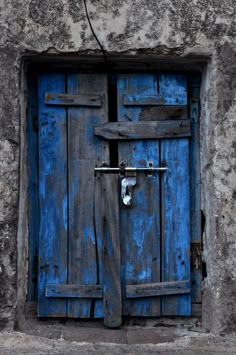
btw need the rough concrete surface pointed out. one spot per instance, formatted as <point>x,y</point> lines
<point>18,343</point>
<point>175,29</point>
<point>134,331</point>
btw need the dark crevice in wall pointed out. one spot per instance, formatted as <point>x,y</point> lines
<point>203,224</point>
<point>204,270</point>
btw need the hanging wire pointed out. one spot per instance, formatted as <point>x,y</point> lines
<point>93,32</point>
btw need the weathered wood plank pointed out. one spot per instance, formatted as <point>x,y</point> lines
<point>33,189</point>
<point>140,224</point>
<point>175,203</point>
<point>157,289</point>
<point>195,167</point>
<point>84,152</point>
<point>108,204</point>
<point>144,130</point>
<point>73,99</point>
<point>196,310</point>
<point>73,291</point>
<point>196,285</point>
<point>175,222</point>
<point>143,100</point>
<point>173,91</point>
<point>160,113</point>
<point>195,193</point>
<point>98,227</point>
<point>173,87</point>
<point>52,197</point>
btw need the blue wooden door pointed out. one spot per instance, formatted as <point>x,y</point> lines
<point>97,256</point>
<point>155,232</point>
<point>70,268</point>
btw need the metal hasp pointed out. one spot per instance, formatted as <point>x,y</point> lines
<point>128,181</point>
<point>127,184</point>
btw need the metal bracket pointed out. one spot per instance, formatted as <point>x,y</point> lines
<point>128,177</point>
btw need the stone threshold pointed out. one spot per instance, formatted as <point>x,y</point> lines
<point>133,331</point>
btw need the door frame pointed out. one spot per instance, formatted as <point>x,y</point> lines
<point>31,105</point>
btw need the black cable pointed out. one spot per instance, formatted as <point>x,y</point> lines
<point>93,32</point>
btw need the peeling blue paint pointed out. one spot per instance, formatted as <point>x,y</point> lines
<point>88,233</point>
<point>65,211</point>
<point>140,225</point>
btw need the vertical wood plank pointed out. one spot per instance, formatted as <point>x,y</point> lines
<point>111,250</point>
<point>195,193</point>
<point>175,222</point>
<point>52,197</point>
<point>84,152</point>
<point>140,223</point>
<point>195,167</point>
<point>32,138</point>
<point>175,206</point>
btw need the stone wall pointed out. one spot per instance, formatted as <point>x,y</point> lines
<point>175,29</point>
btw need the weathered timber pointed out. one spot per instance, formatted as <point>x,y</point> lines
<point>176,222</point>
<point>144,130</point>
<point>173,92</point>
<point>73,100</point>
<point>196,310</point>
<point>143,100</point>
<point>195,194</point>
<point>157,289</point>
<point>140,224</point>
<point>84,152</point>
<point>53,230</point>
<point>108,204</point>
<point>160,113</point>
<point>173,87</point>
<point>175,202</point>
<point>73,291</point>
<point>33,186</point>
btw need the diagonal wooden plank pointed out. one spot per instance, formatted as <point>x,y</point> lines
<point>144,130</point>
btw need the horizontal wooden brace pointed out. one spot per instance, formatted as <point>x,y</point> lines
<point>144,130</point>
<point>158,289</point>
<point>73,291</point>
<point>151,100</point>
<point>73,100</point>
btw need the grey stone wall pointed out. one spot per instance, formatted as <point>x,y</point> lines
<point>171,28</point>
